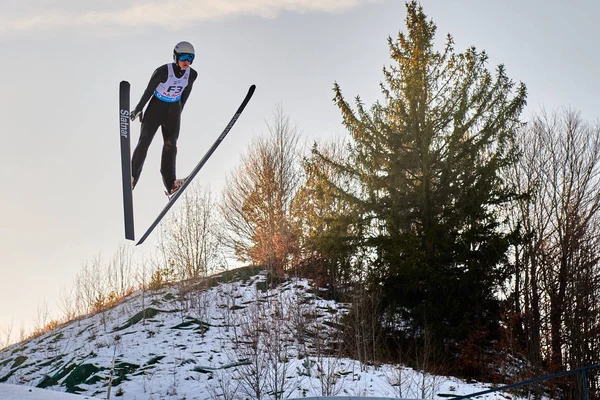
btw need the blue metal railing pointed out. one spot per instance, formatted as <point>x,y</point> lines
<point>579,371</point>
<point>349,398</point>
<point>582,371</point>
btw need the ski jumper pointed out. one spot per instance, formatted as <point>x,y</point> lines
<point>168,90</point>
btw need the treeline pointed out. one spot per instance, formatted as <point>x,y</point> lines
<point>453,224</point>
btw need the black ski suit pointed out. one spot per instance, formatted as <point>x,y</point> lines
<point>166,115</point>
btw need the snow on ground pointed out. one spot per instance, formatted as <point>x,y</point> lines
<point>19,392</point>
<point>223,342</point>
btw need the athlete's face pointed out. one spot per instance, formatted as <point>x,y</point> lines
<point>183,64</point>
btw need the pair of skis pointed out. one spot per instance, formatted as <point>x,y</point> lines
<point>125,134</point>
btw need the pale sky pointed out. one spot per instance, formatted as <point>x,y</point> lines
<point>61,205</point>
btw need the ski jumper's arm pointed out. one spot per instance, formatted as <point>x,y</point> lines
<point>188,88</point>
<point>160,75</point>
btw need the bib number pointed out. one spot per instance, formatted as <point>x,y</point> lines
<point>175,90</point>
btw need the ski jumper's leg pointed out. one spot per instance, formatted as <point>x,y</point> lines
<point>152,120</point>
<point>170,131</point>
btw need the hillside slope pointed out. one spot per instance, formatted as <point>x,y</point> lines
<point>235,336</point>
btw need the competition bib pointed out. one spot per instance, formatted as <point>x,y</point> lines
<point>170,91</point>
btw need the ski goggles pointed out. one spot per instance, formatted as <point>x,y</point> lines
<point>185,57</point>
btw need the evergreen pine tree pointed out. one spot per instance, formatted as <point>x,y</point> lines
<point>427,163</point>
<point>324,221</point>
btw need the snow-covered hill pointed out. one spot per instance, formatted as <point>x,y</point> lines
<point>236,336</point>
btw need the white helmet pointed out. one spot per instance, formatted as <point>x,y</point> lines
<point>183,48</point>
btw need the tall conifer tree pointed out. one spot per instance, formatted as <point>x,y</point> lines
<point>427,162</point>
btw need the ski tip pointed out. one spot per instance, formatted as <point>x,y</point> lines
<point>252,88</point>
<point>124,84</point>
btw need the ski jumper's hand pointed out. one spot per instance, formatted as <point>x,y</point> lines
<point>136,113</point>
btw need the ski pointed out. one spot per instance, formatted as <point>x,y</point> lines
<point>199,166</point>
<point>125,134</point>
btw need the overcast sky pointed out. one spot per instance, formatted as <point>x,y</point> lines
<point>62,62</point>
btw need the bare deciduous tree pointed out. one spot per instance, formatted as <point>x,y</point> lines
<point>6,333</point>
<point>557,270</point>
<point>67,304</point>
<point>190,238</point>
<point>90,286</point>
<point>42,317</point>
<point>120,272</point>
<point>258,196</point>
<point>222,386</point>
<point>251,374</point>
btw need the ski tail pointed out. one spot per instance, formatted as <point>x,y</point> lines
<point>125,134</point>
<point>199,166</point>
